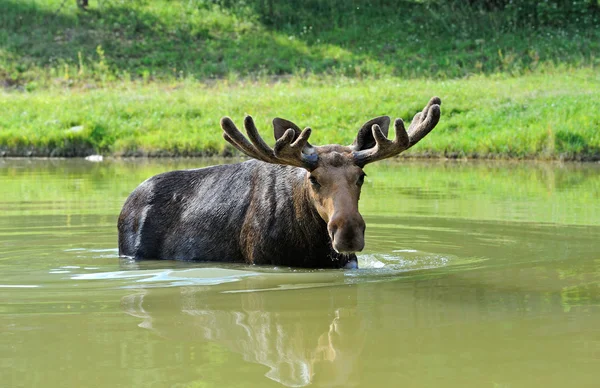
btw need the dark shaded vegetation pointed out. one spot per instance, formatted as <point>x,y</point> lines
<point>44,44</point>
<point>539,13</point>
<point>509,13</point>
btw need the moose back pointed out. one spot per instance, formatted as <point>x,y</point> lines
<point>291,205</point>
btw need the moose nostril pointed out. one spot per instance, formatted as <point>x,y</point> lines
<point>332,230</point>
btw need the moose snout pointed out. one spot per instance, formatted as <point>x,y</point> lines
<point>347,233</point>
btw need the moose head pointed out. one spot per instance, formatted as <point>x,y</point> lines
<point>334,173</point>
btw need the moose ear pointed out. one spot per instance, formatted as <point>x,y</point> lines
<point>364,139</point>
<point>281,125</point>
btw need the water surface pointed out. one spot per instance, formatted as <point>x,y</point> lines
<point>474,274</point>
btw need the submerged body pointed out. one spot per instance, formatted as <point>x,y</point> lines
<point>252,212</point>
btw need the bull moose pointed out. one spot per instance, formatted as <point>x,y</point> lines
<point>292,205</point>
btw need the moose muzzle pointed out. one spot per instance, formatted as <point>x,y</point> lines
<point>347,233</point>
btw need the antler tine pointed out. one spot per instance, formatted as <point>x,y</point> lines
<point>425,121</point>
<point>286,152</point>
<point>384,148</point>
<point>402,138</point>
<point>292,152</point>
<point>284,146</point>
<point>234,137</point>
<point>235,145</point>
<point>421,125</point>
<point>261,147</point>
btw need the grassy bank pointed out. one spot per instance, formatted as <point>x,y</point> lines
<point>555,116</point>
<point>154,77</point>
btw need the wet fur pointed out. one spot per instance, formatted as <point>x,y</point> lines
<point>252,212</point>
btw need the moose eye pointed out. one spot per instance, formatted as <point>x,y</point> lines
<point>361,180</point>
<point>314,182</point>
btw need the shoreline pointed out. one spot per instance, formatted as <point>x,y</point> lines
<point>424,156</point>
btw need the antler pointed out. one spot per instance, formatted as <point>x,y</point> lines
<point>288,149</point>
<point>422,124</point>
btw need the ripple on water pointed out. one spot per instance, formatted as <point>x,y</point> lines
<point>19,286</point>
<point>169,277</point>
<point>373,268</point>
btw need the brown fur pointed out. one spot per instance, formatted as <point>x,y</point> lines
<point>300,208</point>
<point>336,197</point>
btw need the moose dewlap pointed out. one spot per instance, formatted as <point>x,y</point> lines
<point>294,204</point>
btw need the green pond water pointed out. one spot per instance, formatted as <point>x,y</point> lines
<point>474,275</point>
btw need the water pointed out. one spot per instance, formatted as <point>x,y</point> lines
<point>474,275</point>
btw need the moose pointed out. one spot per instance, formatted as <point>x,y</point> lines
<point>291,205</point>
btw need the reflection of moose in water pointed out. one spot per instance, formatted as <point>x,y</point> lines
<point>420,329</point>
<point>301,339</point>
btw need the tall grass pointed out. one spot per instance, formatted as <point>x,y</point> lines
<point>532,116</point>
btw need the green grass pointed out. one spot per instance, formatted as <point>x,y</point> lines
<point>154,77</point>
<point>543,116</point>
<point>42,44</point>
